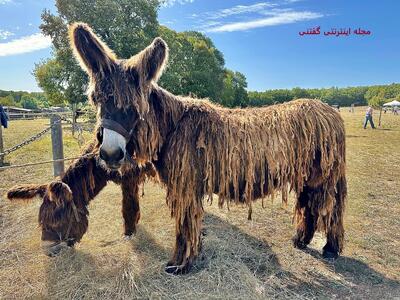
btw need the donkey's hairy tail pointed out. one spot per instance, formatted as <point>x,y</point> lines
<point>27,191</point>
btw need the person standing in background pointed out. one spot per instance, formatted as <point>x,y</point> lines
<point>368,117</point>
<point>3,117</point>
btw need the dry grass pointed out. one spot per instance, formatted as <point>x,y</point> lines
<point>240,259</point>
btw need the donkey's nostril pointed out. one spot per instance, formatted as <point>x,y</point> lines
<point>117,155</point>
<point>103,155</point>
<point>120,155</point>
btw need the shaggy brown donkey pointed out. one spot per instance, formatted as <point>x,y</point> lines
<point>63,214</point>
<point>201,149</point>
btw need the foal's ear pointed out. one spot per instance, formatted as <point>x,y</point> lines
<point>93,55</point>
<point>152,60</point>
<point>59,193</point>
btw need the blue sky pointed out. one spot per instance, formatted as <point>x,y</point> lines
<point>258,38</point>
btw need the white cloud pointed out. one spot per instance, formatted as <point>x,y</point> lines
<point>169,3</point>
<point>25,44</point>
<point>240,9</point>
<point>5,1</point>
<point>277,19</point>
<point>4,34</point>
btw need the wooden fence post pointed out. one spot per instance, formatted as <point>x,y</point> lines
<point>57,144</point>
<point>1,146</point>
<point>73,118</point>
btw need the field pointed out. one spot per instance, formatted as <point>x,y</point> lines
<point>241,259</point>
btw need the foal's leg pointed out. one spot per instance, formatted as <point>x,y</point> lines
<point>130,204</point>
<point>306,218</point>
<point>188,238</point>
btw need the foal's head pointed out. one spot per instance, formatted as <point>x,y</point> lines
<point>120,90</point>
<point>62,223</point>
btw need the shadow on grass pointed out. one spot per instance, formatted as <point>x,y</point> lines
<point>357,278</point>
<point>232,262</point>
<point>221,241</point>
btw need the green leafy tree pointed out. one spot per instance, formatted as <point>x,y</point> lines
<point>334,95</point>
<point>8,101</point>
<point>51,79</point>
<point>126,26</point>
<point>234,93</point>
<point>195,66</point>
<point>28,101</point>
<point>298,93</point>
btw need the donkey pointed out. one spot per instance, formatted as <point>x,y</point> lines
<point>63,215</point>
<point>200,149</point>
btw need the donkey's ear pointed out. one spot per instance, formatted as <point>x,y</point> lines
<point>93,55</point>
<point>153,59</point>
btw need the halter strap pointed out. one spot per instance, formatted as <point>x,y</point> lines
<point>75,211</point>
<point>115,126</point>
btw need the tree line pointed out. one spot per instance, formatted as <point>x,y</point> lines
<point>22,99</point>
<point>375,95</point>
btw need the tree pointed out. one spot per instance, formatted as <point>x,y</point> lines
<point>51,79</point>
<point>333,95</point>
<point>8,101</point>
<point>28,101</point>
<point>195,66</point>
<point>234,93</point>
<point>126,26</point>
<point>299,93</point>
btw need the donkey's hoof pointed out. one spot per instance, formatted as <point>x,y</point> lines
<point>128,237</point>
<point>173,269</point>
<point>330,255</point>
<point>297,243</point>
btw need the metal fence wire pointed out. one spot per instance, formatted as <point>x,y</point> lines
<point>27,141</point>
<point>77,127</point>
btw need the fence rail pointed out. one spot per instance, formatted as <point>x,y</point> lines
<point>55,128</point>
<point>30,115</point>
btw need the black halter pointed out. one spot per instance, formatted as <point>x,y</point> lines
<point>115,126</point>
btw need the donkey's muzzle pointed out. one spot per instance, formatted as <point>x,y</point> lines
<point>54,248</point>
<point>113,158</point>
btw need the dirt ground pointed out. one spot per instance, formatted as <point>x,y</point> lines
<point>241,259</point>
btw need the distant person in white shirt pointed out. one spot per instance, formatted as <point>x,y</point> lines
<point>368,117</point>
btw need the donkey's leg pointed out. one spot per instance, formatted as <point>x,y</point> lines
<point>188,239</point>
<point>130,204</point>
<point>335,230</point>
<point>306,218</point>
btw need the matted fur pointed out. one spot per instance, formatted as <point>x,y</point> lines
<point>201,149</point>
<point>63,213</point>
<point>27,191</point>
<point>246,154</point>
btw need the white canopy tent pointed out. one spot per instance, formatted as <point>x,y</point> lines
<point>392,103</point>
